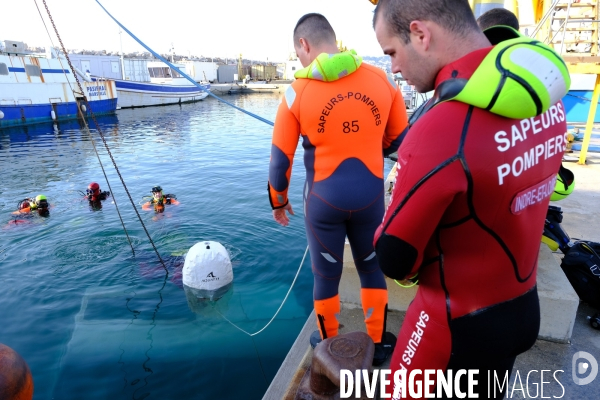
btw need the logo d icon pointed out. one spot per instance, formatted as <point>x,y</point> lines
<point>583,367</point>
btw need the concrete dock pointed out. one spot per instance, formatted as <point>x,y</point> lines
<point>564,330</point>
<point>250,87</point>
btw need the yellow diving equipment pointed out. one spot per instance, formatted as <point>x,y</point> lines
<point>520,78</point>
<point>331,67</point>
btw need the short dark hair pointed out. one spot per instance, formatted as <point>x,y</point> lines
<point>315,28</point>
<point>498,16</point>
<point>453,15</point>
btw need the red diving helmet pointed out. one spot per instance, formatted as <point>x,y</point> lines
<point>93,190</point>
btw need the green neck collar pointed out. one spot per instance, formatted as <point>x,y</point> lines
<point>331,67</point>
<point>520,78</point>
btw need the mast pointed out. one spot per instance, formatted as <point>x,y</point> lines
<point>122,60</point>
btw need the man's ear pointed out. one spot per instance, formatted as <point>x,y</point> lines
<point>420,35</point>
<point>304,45</point>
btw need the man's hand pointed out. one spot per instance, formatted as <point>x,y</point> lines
<point>280,216</point>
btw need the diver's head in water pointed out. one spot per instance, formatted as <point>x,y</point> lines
<point>41,202</point>
<point>24,204</point>
<point>16,382</point>
<point>157,194</point>
<point>93,191</point>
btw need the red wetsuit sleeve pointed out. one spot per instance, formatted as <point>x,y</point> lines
<point>396,125</point>
<point>429,176</point>
<point>285,140</point>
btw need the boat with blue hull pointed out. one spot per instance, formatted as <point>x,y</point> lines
<point>34,89</point>
<point>166,86</point>
<point>579,98</point>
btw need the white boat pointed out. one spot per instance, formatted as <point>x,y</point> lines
<point>166,86</point>
<point>34,88</point>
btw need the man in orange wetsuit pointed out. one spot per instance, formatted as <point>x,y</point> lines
<point>349,116</point>
<point>469,201</point>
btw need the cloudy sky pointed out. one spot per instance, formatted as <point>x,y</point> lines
<point>258,29</point>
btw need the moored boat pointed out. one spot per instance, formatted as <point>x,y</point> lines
<point>166,86</point>
<point>34,88</point>
<point>579,98</point>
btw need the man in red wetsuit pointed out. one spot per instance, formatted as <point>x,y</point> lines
<point>348,115</point>
<point>468,207</point>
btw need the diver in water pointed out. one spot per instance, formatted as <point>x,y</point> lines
<point>95,196</point>
<point>39,204</point>
<point>159,200</point>
<point>26,207</point>
<point>93,193</point>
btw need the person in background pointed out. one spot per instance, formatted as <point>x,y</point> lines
<point>39,204</point>
<point>16,382</point>
<point>94,195</point>
<point>349,115</point>
<point>456,217</point>
<point>498,16</point>
<point>159,200</point>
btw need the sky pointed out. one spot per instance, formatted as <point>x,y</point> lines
<point>258,29</point>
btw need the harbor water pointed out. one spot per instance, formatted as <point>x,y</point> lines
<point>93,320</point>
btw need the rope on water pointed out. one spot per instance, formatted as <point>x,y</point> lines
<point>280,306</point>
<point>161,58</point>
<point>99,130</point>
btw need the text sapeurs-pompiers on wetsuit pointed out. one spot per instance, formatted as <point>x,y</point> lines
<point>349,115</point>
<point>467,210</point>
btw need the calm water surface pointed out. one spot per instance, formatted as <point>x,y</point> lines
<point>95,322</point>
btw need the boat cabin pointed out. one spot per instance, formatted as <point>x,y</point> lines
<point>161,73</point>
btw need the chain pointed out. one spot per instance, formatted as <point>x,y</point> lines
<point>89,108</point>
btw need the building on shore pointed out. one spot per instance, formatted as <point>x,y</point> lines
<point>291,67</point>
<point>136,68</point>
<point>227,73</point>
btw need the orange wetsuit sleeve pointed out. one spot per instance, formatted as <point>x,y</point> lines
<point>285,140</point>
<point>397,124</point>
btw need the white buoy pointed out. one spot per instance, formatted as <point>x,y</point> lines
<point>1,115</point>
<point>207,270</point>
<point>83,108</point>
<point>53,115</point>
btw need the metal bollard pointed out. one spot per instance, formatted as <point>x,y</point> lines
<point>350,351</point>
